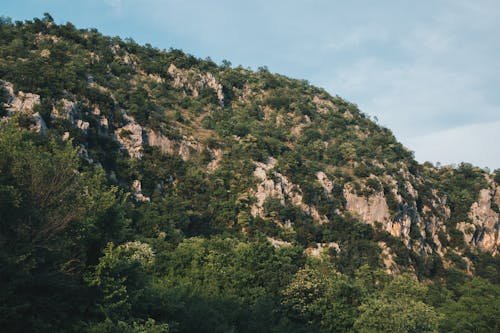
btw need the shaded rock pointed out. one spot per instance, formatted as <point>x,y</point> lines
<point>137,192</point>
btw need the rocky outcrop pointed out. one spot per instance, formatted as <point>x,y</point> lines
<point>194,82</point>
<point>320,248</point>
<point>40,125</point>
<point>24,103</point>
<point>20,102</point>
<point>326,183</point>
<point>83,125</point>
<point>369,209</point>
<point>64,109</point>
<point>184,148</point>
<point>483,232</point>
<point>277,243</point>
<point>188,147</point>
<point>137,192</point>
<point>388,259</point>
<point>279,187</point>
<point>324,105</point>
<point>130,138</point>
<point>165,145</point>
<point>374,208</point>
<point>216,155</point>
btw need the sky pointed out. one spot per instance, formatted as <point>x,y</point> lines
<point>428,70</point>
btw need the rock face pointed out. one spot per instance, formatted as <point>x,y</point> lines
<point>25,103</point>
<point>388,258</point>
<point>321,247</point>
<point>137,192</point>
<point>20,102</point>
<point>165,145</point>
<point>483,232</point>
<point>40,125</point>
<point>373,209</point>
<point>326,183</point>
<point>216,155</point>
<point>181,79</point>
<point>65,109</point>
<point>282,189</point>
<point>370,210</point>
<point>184,148</point>
<point>130,137</point>
<point>323,105</point>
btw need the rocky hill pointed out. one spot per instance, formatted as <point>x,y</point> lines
<point>196,149</point>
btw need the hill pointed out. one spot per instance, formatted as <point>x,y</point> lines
<point>148,190</point>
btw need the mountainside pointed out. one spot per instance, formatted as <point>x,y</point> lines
<point>235,189</point>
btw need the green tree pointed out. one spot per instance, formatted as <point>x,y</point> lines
<point>477,309</point>
<point>48,208</point>
<point>398,308</point>
<point>321,298</point>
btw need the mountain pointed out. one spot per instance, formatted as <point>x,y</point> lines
<point>149,190</point>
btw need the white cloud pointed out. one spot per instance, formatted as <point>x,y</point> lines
<point>433,80</point>
<point>476,144</point>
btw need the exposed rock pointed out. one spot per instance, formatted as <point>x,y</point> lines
<point>184,148</point>
<point>165,145</point>
<point>45,53</point>
<point>216,155</point>
<point>282,189</point>
<point>483,232</point>
<point>155,78</point>
<point>137,192</point>
<point>40,125</point>
<point>130,138</point>
<point>388,258</point>
<point>194,81</point>
<point>22,102</point>
<point>66,110</point>
<point>44,37</point>
<point>83,125</point>
<point>130,59</point>
<point>370,210</point>
<point>210,81</point>
<point>83,153</point>
<point>320,248</point>
<point>187,147</point>
<point>326,183</point>
<point>277,243</point>
<point>103,125</point>
<point>324,105</point>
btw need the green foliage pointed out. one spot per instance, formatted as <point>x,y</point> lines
<point>121,277</point>
<point>321,299</point>
<point>79,252</point>
<point>462,185</point>
<point>477,309</point>
<point>398,308</point>
<point>48,210</point>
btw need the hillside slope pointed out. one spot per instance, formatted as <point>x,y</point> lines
<point>188,152</point>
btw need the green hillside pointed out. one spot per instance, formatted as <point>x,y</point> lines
<point>145,190</point>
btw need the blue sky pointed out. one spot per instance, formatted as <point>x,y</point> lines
<point>428,70</point>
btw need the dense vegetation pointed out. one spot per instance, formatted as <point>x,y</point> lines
<point>79,253</point>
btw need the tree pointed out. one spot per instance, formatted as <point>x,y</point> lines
<point>398,308</point>
<point>321,298</point>
<point>477,310</point>
<point>121,278</point>
<point>48,208</point>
